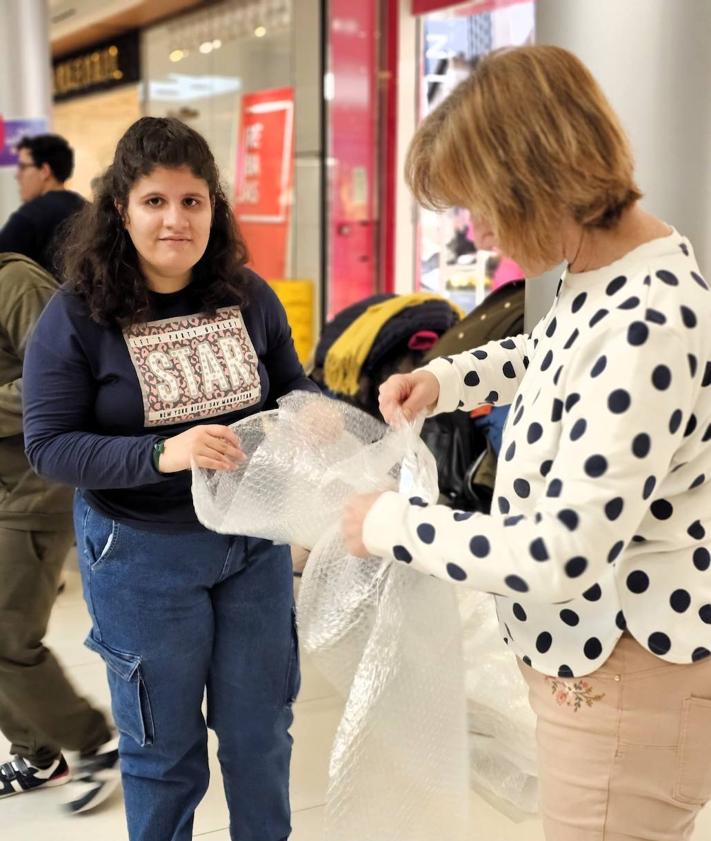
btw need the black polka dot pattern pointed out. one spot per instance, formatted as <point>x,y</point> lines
<point>637,581</point>
<point>680,600</point>
<point>599,366</point>
<point>576,566</point>
<point>661,377</point>
<point>543,642</point>
<point>596,466</point>
<point>593,594</point>
<point>515,582</point>
<point>400,553</point>
<point>597,318</point>
<point>619,401</point>
<point>455,572</point>
<point>668,278</point>
<point>578,429</point>
<point>662,509</point>
<point>655,316</point>
<point>592,648</point>
<point>603,478</point>
<point>569,518</point>
<point>659,643</point>
<point>641,445</point>
<point>638,333</point>
<point>480,546</point>
<point>579,302</point>
<point>471,378</point>
<point>426,533</point>
<point>614,507</point>
<point>615,285</point>
<point>702,559</point>
<point>538,550</point>
<point>520,613</point>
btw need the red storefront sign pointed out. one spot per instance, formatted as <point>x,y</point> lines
<point>265,163</point>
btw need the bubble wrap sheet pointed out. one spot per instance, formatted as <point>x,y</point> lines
<point>501,722</point>
<point>388,638</point>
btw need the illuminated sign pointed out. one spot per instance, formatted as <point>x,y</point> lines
<point>106,66</point>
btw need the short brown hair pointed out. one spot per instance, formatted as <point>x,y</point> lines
<point>526,138</point>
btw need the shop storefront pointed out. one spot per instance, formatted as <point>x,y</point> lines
<point>451,39</point>
<point>389,64</point>
<point>97,95</point>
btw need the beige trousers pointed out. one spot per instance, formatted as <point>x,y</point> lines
<point>625,752</point>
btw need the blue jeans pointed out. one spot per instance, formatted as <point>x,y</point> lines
<point>173,615</point>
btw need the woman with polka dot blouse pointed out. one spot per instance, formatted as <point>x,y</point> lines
<point>599,554</point>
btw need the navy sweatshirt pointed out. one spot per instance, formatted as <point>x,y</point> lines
<point>96,398</point>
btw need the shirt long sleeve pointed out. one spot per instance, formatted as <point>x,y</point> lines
<point>59,390</point>
<point>488,374</point>
<point>614,444</point>
<point>600,520</point>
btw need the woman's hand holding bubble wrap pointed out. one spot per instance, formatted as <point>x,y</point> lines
<point>354,513</point>
<point>211,446</point>
<point>408,395</point>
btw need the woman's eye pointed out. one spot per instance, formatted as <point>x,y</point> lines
<point>154,201</point>
<point>191,202</point>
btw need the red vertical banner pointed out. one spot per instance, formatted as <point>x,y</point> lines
<point>265,167</point>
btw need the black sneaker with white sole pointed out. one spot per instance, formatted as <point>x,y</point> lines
<point>96,777</point>
<point>19,776</point>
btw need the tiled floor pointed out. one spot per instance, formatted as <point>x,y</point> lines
<point>37,816</point>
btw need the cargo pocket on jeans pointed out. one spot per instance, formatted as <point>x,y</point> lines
<point>293,675</point>
<point>130,703</point>
<point>693,778</point>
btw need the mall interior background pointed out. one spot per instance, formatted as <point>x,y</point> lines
<point>309,105</point>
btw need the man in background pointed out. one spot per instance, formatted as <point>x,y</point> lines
<point>40,711</point>
<point>45,163</point>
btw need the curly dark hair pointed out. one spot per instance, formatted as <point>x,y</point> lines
<point>99,261</point>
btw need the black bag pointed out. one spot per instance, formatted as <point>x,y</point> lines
<point>466,463</point>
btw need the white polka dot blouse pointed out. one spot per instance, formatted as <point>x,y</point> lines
<point>603,490</point>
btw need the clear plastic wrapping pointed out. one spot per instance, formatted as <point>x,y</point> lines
<point>500,720</point>
<point>388,638</point>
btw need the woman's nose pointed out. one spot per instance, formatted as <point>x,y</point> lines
<point>174,216</point>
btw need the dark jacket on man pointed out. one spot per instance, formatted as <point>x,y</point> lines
<point>34,229</point>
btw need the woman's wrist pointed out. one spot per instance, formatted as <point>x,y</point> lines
<point>157,452</point>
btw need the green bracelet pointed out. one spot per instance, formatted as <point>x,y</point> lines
<point>158,449</point>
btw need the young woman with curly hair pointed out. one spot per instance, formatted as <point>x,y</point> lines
<point>159,339</point>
